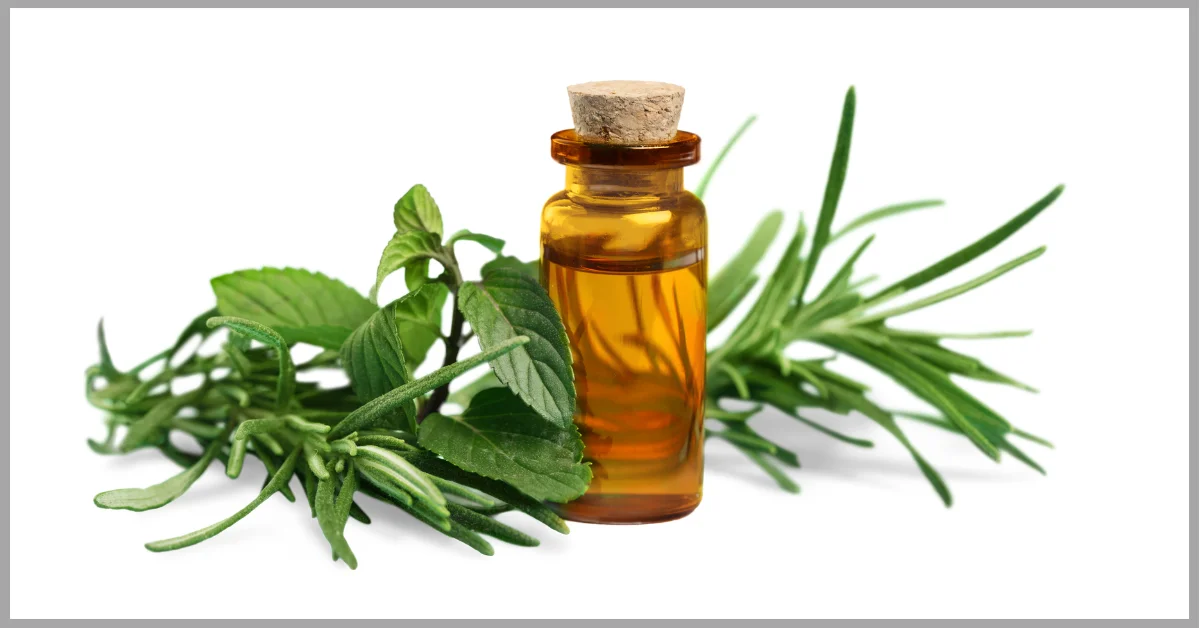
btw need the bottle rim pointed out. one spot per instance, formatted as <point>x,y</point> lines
<point>683,150</point>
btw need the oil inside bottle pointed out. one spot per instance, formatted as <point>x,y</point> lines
<point>623,259</point>
<point>637,332</point>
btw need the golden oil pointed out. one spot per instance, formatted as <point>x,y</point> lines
<point>623,258</point>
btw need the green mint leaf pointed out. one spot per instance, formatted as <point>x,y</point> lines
<point>375,412</point>
<point>286,381</point>
<point>159,495</point>
<point>416,274</point>
<point>278,480</point>
<point>530,269</point>
<point>462,397</point>
<point>377,356</point>
<point>416,211</point>
<point>373,357</point>
<point>419,320</point>
<point>492,244</point>
<point>326,336</point>
<point>731,284</point>
<point>510,303</point>
<point>500,437</point>
<point>403,250</point>
<point>300,305</point>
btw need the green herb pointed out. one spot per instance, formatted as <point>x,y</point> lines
<point>515,446</point>
<point>499,435</point>
<point>384,435</point>
<point>752,365</point>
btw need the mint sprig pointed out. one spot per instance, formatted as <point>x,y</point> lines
<point>383,435</point>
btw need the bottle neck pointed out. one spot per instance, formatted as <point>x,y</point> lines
<point>623,183</point>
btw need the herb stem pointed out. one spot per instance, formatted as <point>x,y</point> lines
<point>453,344</point>
<point>450,262</point>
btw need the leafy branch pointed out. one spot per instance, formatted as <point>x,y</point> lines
<point>752,364</point>
<point>513,448</point>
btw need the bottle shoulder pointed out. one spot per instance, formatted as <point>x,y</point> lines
<point>678,206</point>
<point>634,230</point>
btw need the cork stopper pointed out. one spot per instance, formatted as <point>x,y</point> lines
<point>627,113</point>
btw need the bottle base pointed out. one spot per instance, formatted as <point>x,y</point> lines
<point>629,509</point>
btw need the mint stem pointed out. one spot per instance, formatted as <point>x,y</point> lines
<point>453,344</point>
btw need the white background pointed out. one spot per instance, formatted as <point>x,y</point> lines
<point>152,150</point>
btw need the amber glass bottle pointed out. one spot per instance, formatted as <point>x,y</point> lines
<point>623,258</point>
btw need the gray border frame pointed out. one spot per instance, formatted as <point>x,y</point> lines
<point>1193,231</point>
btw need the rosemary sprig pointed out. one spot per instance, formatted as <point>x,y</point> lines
<point>751,364</point>
<point>382,436</point>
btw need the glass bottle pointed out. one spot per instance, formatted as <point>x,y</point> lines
<point>623,258</point>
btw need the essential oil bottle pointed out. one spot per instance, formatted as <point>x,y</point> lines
<point>624,260</point>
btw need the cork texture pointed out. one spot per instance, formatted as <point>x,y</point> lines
<point>628,113</point>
